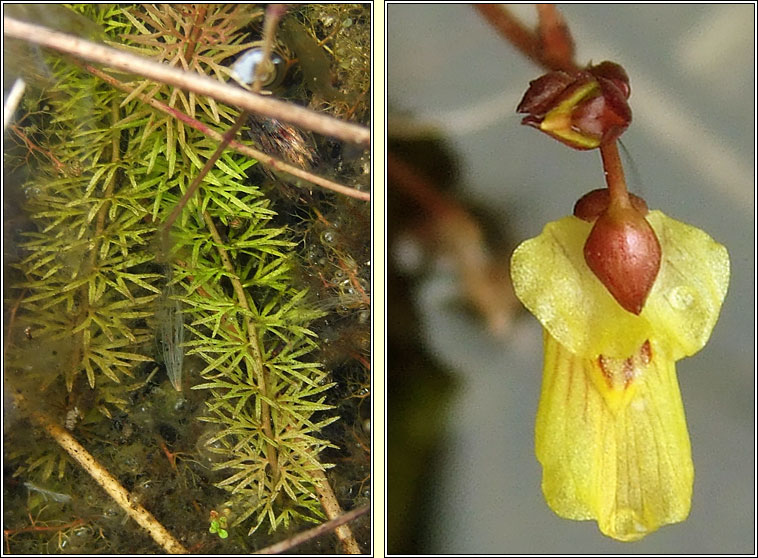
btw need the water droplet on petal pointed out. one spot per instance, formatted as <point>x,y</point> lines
<point>681,297</point>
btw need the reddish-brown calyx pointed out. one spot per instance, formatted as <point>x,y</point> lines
<point>622,249</point>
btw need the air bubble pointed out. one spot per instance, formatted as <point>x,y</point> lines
<point>328,237</point>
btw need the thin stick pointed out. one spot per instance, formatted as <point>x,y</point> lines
<point>300,538</point>
<point>274,13</point>
<point>333,510</point>
<point>14,98</point>
<point>190,81</point>
<point>226,138</point>
<point>109,483</point>
<point>261,157</point>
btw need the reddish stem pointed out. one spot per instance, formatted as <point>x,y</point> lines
<point>34,528</point>
<point>31,146</point>
<point>526,40</point>
<point>614,174</point>
<point>512,29</point>
<point>557,46</point>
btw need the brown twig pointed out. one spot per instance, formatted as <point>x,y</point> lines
<point>107,481</point>
<point>300,538</point>
<point>191,81</point>
<point>333,511</point>
<point>274,13</point>
<point>263,158</point>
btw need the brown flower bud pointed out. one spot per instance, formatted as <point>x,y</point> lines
<point>614,73</point>
<point>622,251</point>
<point>583,109</point>
<point>543,93</point>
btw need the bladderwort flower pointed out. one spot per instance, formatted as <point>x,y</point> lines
<point>611,433</point>
<point>622,294</point>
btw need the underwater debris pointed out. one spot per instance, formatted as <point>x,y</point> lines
<point>171,335</point>
<point>56,496</point>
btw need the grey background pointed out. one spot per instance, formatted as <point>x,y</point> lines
<point>692,72</point>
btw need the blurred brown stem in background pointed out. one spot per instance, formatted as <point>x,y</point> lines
<point>551,46</point>
<point>449,230</point>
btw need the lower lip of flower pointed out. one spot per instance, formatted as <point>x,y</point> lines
<point>612,440</point>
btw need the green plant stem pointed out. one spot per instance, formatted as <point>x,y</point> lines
<point>273,13</point>
<point>79,340</point>
<point>253,344</point>
<point>614,174</point>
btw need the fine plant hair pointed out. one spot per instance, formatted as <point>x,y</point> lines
<point>106,171</point>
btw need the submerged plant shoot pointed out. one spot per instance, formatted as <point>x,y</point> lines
<point>199,364</point>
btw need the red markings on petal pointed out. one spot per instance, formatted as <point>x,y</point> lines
<point>620,373</point>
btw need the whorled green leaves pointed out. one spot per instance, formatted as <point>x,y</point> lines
<point>221,331</point>
<point>95,268</point>
<point>86,277</point>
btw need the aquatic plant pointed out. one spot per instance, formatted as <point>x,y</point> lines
<point>116,160</point>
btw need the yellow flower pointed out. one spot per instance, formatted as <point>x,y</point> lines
<point>611,434</point>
